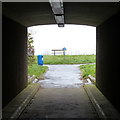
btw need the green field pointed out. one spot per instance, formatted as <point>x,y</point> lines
<point>87,70</point>
<point>68,59</point>
<point>38,70</point>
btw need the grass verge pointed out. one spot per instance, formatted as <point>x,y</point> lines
<point>87,70</point>
<point>37,70</point>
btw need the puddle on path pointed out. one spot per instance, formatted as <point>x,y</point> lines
<point>62,76</point>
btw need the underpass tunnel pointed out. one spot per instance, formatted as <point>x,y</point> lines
<point>17,17</point>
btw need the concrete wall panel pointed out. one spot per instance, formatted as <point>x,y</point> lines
<point>108,58</point>
<point>14,59</point>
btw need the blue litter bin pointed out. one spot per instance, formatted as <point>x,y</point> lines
<point>40,59</point>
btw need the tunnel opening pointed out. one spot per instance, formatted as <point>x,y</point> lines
<point>79,40</point>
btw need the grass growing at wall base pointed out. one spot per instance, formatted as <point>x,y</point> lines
<point>87,70</point>
<point>37,70</point>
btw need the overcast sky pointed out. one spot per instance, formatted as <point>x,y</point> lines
<point>78,39</point>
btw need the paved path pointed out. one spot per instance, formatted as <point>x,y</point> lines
<point>60,76</point>
<point>61,96</point>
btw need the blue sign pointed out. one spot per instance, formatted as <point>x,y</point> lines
<point>64,48</point>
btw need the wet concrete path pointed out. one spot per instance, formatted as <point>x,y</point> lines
<point>60,76</point>
<point>61,95</point>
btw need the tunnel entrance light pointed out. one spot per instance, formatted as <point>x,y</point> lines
<point>57,8</point>
<point>60,20</point>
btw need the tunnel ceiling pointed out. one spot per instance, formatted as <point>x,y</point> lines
<point>40,13</point>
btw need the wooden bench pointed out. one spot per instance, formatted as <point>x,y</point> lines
<point>56,50</point>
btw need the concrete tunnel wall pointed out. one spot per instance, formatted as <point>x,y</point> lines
<point>108,59</point>
<point>14,66</point>
<point>15,59</point>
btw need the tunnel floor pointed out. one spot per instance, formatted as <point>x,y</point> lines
<point>60,103</point>
<point>61,96</point>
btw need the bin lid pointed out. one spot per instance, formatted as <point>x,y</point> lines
<point>40,55</point>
